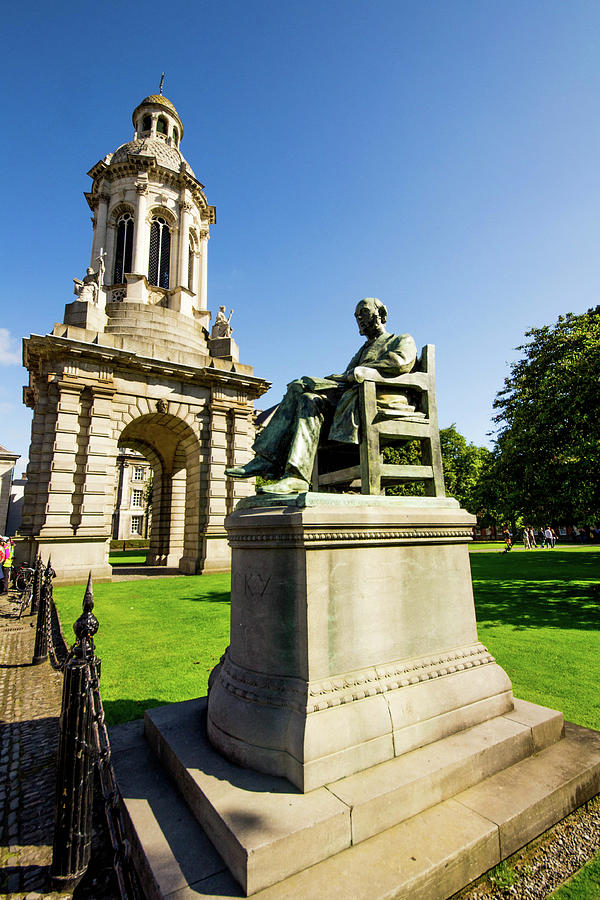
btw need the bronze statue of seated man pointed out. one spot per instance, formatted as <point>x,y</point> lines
<point>286,448</point>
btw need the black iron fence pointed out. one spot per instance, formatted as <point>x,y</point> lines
<point>84,747</point>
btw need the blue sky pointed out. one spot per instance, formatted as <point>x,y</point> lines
<point>443,156</point>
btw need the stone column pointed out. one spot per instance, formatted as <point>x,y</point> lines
<point>140,263</point>
<point>216,555</point>
<point>241,440</point>
<point>184,243</point>
<point>98,486</point>
<point>161,517</point>
<point>62,462</point>
<point>202,275</point>
<point>177,523</point>
<point>111,233</point>
<point>99,239</point>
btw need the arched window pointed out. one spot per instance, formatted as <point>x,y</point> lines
<point>191,268</point>
<point>160,253</point>
<point>147,123</point>
<point>175,136</point>
<point>161,125</point>
<point>124,248</point>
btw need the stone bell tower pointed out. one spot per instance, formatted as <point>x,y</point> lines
<point>133,364</point>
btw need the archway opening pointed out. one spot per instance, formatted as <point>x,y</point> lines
<point>171,451</point>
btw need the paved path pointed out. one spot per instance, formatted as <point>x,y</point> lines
<point>29,707</point>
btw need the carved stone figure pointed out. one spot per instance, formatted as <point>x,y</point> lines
<point>222,328</point>
<point>87,290</point>
<point>287,446</point>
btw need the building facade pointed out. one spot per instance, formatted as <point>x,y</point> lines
<point>133,365</point>
<point>132,517</point>
<point>7,465</point>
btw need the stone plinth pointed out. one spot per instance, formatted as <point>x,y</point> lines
<point>353,635</point>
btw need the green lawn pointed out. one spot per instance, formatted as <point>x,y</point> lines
<point>538,613</point>
<point>158,638</point>
<point>585,885</point>
<point>134,557</point>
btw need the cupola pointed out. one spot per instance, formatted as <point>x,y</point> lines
<point>157,117</point>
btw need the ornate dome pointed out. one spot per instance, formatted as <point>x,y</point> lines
<point>166,155</point>
<point>161,100</point>
<point>158,100</point>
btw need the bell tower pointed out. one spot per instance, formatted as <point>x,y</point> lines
<point>133,365</point>
<point>151,224</point>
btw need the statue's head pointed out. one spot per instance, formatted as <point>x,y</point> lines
<point>371,316</point>
<point>89,270</point>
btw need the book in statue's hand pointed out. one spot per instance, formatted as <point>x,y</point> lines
<point>318,384</point>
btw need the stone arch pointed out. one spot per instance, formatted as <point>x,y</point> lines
<point>173,449</point>
<point>159,209</point>
<point>117,211</point>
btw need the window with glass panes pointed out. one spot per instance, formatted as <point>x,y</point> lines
<point>138,473</point>
<point>124,248</point>
<point>137,497</point>
<point>160,253</point>
<point>137,523</point>
<point>191,268</point>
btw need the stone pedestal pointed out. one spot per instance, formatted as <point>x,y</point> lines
<point>353,635</point>
<point>354,671</point>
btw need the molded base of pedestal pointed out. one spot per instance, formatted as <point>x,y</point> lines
<point>421,826</point>
<point>347,734</point>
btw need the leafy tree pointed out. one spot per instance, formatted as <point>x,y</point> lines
<point>547,454</point>
<point>463,462</point>
<point>464,465</point>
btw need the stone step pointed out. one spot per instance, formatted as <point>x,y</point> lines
<point>253,818</point>
<point>429,856</point>
<point>148,322</point>
<point>145,315</point>
<point>144,332</point>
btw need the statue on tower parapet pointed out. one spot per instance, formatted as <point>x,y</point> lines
<point>222,328</point>
<point>87,290</point>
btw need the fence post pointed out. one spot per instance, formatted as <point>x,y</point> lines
<point>75,781</point>
<point>40,652</point>
<point>37,584</point>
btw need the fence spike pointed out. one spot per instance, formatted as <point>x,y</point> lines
<point>86,625</point>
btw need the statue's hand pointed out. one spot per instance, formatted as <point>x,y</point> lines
<point>364,373</point>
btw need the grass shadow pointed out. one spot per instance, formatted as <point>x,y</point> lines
<point>118,712</point>
<point>548,589</point>
<point>212,597</point>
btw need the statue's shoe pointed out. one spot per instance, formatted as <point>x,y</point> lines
<point>288,485</point>
<point>257,466</point>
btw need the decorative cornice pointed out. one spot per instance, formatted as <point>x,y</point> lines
<point>395,535</point>
<point>37,347</point>
<point>309,697</point>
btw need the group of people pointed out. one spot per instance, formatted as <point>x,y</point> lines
<point>7,552</point>
<point>547,538</point>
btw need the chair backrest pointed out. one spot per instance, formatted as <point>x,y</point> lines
<point>404,421</point>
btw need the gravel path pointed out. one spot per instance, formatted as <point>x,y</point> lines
<point>547,862</point>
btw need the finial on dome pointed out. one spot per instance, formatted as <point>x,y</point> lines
<point>162,81</point>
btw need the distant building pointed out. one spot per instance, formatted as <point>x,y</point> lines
<point>132,515</point>
<point>15,505</point>
<point>7,465</point>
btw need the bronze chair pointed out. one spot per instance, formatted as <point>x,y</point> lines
<point>392,411</point>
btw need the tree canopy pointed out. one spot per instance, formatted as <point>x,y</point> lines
<point>546,461</point>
